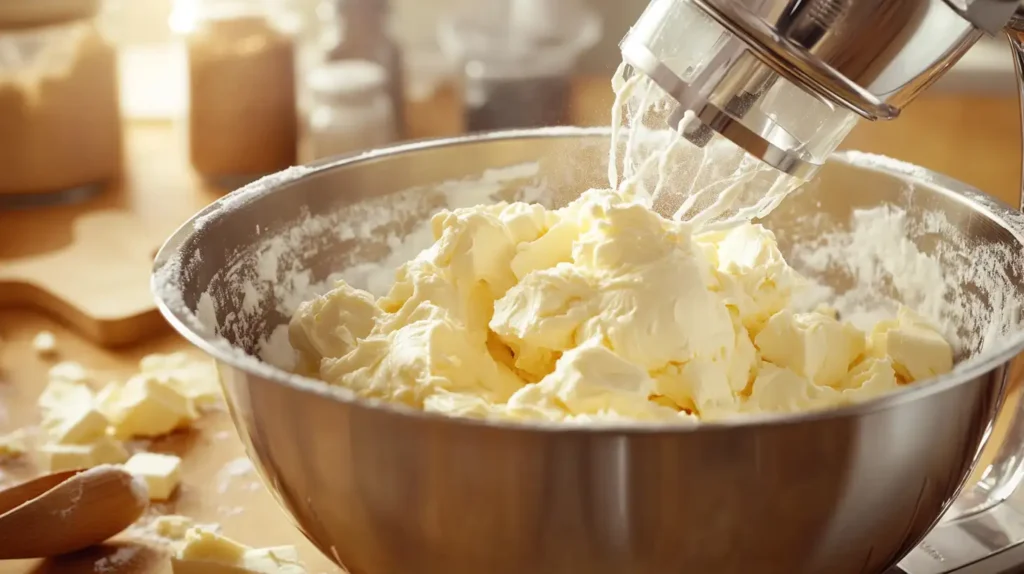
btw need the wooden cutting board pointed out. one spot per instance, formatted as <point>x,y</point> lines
<point>87,264</point>
<point>73,266</point>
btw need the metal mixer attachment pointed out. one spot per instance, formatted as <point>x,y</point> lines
<point>786,80</point>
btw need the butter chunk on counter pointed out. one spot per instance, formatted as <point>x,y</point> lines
<point>173,526</point>
<point>61,393</point>
<point>12,445</point>
<point>160,472</point>
<point>75,424</point>
<point>602,310</point>
<point>69,371</point>
<point>146,407</point>
<point>75,432</point>
<point>197,380</point>
<point>82,428</point>
<point>57,457</point>
<point>44,343</point>
<point>205,552</point>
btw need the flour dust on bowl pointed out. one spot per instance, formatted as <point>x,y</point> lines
<point>382,488</point>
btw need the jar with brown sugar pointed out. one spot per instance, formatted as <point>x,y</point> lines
<point>60,120</point>
<point>243,119</point>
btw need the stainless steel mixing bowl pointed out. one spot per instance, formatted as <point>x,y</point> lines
<point>384,490</point>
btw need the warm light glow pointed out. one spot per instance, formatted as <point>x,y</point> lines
<point>183,16</point>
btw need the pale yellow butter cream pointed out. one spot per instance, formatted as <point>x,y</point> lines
<point>602,311</point>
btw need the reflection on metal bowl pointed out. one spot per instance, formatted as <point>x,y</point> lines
<point>386,490</point>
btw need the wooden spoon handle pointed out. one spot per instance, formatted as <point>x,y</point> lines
<point>86,509</point>
<point>15,496</point>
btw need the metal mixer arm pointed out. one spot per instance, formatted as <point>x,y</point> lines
<point>786,80</point>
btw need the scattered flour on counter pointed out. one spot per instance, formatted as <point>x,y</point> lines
<point>229,511</point>
<point>117,561</point>
<point>238,468</point>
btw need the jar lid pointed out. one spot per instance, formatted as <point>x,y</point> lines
<point>33,13</point>
<point>348,78</point>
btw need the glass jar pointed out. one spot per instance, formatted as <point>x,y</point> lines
<point>351,109</point>
<point>60,118</point>
<point>243,119</point>
<point>358,30</point>
<point>516,59</point>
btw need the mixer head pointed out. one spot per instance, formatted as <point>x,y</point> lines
<point>786,80</point>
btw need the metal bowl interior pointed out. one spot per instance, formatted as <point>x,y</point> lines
<point>384,489</point>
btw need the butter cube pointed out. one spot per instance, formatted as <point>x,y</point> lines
<point>917,350</point>
<point>78,425</point>
<point>283,559</point>
<point>196,379</point>
<point>205,552</point>
<point>146,407</point>
<point>172,526</point>
<point>812,345</point>
<point>58,457</point>
<point>70,372</point>
<point>64,394</point>
<point>207,546</point>
<point>871,378</point>
<point>158,362</point>
<point>12,445</point>
<point>161,472</point>
<point>108,450</point>
<point>44,343</point>
<point>106,400</point>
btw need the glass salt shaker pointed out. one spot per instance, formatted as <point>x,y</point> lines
<point>351,108</point>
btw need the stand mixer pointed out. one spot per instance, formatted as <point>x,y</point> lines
<point>786,81</point>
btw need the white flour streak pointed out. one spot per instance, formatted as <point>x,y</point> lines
<point>117,561</point>
<point>887,255</point>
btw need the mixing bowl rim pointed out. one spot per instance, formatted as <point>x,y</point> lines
<point>167,271</point>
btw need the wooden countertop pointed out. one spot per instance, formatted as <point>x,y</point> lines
<point>974,139</point>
